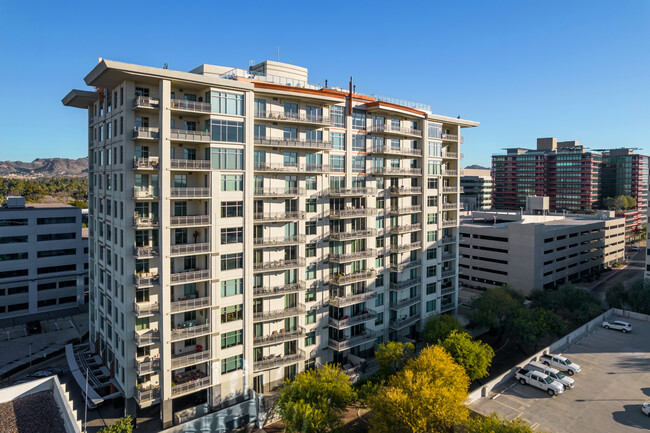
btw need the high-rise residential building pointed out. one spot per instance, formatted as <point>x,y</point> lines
<point>537,250</point>
<point>476,189</point>
<point>261,225</point>
<point>43,258</point>
<point>574,179</point>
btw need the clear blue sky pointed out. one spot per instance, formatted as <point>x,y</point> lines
<point>576,70</point>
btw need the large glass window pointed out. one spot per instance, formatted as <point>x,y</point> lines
<point>337,163</point>
<point>337,116</point>
<point>359,119</point>
<point>232,261</point>
<point>231,364</point>
<point>232,287</point>
<point>338,140</point>
<point>359,164</point>
<point>359,142</point>
<point>227,159</point>
<point>232,313</point>
<point>223,130</point>
<point>232,182</point>
<point>227,103</point>
<point>435,131</point>
<point>314,135</point>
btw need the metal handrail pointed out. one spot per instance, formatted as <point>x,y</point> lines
<point>400,150</point>
<point>279,314</point>
<point>203,107</point>
<point>279,337</point>
<point>189,164</point>
<point>338,323</point>
<point>276,142</point>
<point>145,308</point>
<point>401,323</point>
<point>405,303</point>
<point>279,290</point>
<point>292,117</point>
<point>278,240</point>
<point>279,192</point>
<point>450,137</point>
<point>146,101</point>
<point>190,220</point>
<point>144,192</point>
<point>190,304</point>
<point>405,190</point>
<point>189,276</point>
<point>405,247</point>
<point>407,209</point>
<point>405,228</point>
<point>182,134</point>
<point>145,132</point>
<point>191,332</point>
<point>400,285</point>
<point>277,361</point>
<point>353,235</point>
<point>342,301</point>
<point>147,251</point>
<point>143,367</point>
<point>148,279</point>
<point>350,191</point>
<point>276,216</point>
<point>146,338</point>
<point>202,247</point>
<point>342,213</point>
<point>192,358</point>
<point>139,222</point>
<point>352,341</point>
<point>147,394</point>
<point>192,385</point>
<point>151,162</point>
<point>352,256</point>
<point>279,264</point>
<point>387,127</point>
<point>395,170</point>
<point>191,192</point>
<point>349,278</point>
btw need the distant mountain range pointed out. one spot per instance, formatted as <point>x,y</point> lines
<point>45,167</point>
<point>477,167</point>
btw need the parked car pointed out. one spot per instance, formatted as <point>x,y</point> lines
<point>553,373</point>
<point>646,408</point>
<point>539,380</point>
<point>624,327</point>
<point>47,372</point>
<point>561,363</point>
<point>635,248</point>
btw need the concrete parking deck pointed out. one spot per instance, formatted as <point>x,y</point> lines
<point>614,382</point>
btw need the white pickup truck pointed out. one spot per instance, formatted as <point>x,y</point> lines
<point>539,380</point>
<point>561,363</point>
<point>553,374</point>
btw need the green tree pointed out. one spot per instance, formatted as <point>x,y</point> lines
<point>313,401</point>
<point>473,355</point>
<point>494,424</point>
<point>638,296</point>
<point>494,306</point>
<point>123,425</point>
<point>528,327</point>
<point>609,203</point>
<point>630,202</point>
<point>616,296</point>
<point>426,396</point>
<point>572,303</point>
<point>437,328</point>
<point>392,355</point>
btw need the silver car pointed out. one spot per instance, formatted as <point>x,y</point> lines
<point>624,327</point>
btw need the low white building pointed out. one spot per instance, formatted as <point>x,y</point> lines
<point>43,258</point>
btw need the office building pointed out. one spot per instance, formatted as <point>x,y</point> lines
<point>246,225</point>
<point>476,189</point>
<point>537,250</point>
<point>43,258</point>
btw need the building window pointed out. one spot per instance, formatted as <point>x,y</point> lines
<point>231,364</point>
<point>379,262</point>
<point>337,163</point>
<point>232,132</point>
<point>431,253</point>
<point>310,205</point>
<point>379,242</point>
<point>232,287</point>
<point>310,317</point>
<point>310,250</point>
<point>359,164</point>
<point>379,300</point>
<point>233,338</point>
<point>227,103</point>
<point>337,116</point>
<point>310,273</point>
<point>310,182</point>
<point>359,142</point>
<point>232,313</point>
<point>227,159</point>
<point>431,305</point>
<point>232,235</point>
<point>310,339</point>
<point>259,131</point>
<point>232,261</point>
<point>232,182</point>
<point>379,319</point>
<point>379,281</point>
<point>232,209</point>
<point>432,236</point>
<point>359,119</point>
<point>431,288</point>
<point>310,227</point>
<point>431,271</point>
<point>338,140</point>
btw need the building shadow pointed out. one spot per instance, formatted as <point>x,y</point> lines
<point>632,416</point>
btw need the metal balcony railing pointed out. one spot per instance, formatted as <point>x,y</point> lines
<point>450,137</point>
<point>148,279</point>
<point>142,309</point>
<point>190,192</point>
<point>191,386</point>
<point>348,257</point>
<point>406,190</point>
<point>146,338</point>
<point>447,290</point>
<point>279,314</point>
<point>292,117</point>
<point>340,280</point>
<point>146,367</point>
<point>146,132</point>
<point>401,267</point>
<point>194,136</point>
<point>185,249</point>
<point>279,192</point>
<point>448,240</point>
<point>405,210</point>
<point>401,285</point>
<point>190,304</point>
<point>353,234</point>
<point>190,332</point>
<point>344,301</point>
<point>357,340</point>
<point>395,171</point>
<point>346,321</point>
<point>293,143</point>
<point>449,189</point>
<point>447,306</point>
<point>403,322</point>
<point>146,102</point>
<point>181,104</point>
<point>147,395</point>
<point>450,155</point>
<point>279,290</point>
<point>448,273</point>
<point>186,360</point>
<point>190,220</point>
<point>350,213</point>
<point>399,248</point>
<point>145,222</point>
<point>278,337</point>
<point>189,164</point>
<point>449,223</point>
<point>405,228</point>
<point>145,163</point>
<point>276,241</point>
<point>277,265</point>
<point>448,256</point>
<point>346,192</point>
<point>279,216</point>
<point>148,251</point>
<point>402,130</point>
<point>144,192</point>
<point>450,173</point>
<point>190,276</point>
<point>404,303</point>
<point>273,361</point>
<point>450,206</point>
<point>394,150</point>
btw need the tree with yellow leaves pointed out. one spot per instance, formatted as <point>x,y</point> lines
<point>426,396</point>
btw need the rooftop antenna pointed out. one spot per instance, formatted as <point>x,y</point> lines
<point>165,66</point>
<point>278,53</point>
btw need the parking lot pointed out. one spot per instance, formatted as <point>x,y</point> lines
<point>614,382</point>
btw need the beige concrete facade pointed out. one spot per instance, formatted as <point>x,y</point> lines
<point>476,189</point>
<point>533,252</point>
<point>266,225</point>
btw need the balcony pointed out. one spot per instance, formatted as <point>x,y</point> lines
<point>395,171</point>
<point>447,290</point>
<point>450,172</point>
<point>449,223</point>
<point>190,136</point>
<point>145,223</point>
<point>278,167</point>
<point>189,221</point>
<point>290,117</point>
<point>145,163</point>
<point>450,137</point>
<point>448,240</point>
<point>146,279</point>
<point>189,164</point>
<point>190,192</point>
<point>447,306</point>
<point>189,249</point>
<point>405,303</point>
<point>279,192</point>
<point>278,265</point>
<point>147,367</point>
<point>341,280</point>
<point>406,190</point>
<point>394,151</point>
<point>144,192</point>
<point>145,339</point>
<point>294,143</point>
<point>401,285</point>
<point>145,133</point>
<point>278,337</point>
<point>145,252</point>
<point>405,228</point>
<point>450,206</point>
<point>448,273</point>
<point>197,107</point>
<point>347,321</point>
<point>448,256</point>
<point>357,234</point>
<point>401,267</point>
<point>146,102</point>
<point>147,396</point>
<point>265,291</point>
<point>452,189</point>
<point>185,360</point>
<point>349,257</point>
<point>190,386</point>
<point>405,210</point>
<point>278,241</point>
<point>402,323</point>
<point>350,192</point>
<point>357,340</point>
<point>344,301</point>
<point>274,361</point>
<point>190,329</point>
<point>450,155</point>
<point>144,309</point>
<point>279,216</point>
<point>190,276</point>
<point>400,248</point>
<point>352,213</point>
<point>266,316</point>
<point>397,130</point>
<point>190,304</point>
